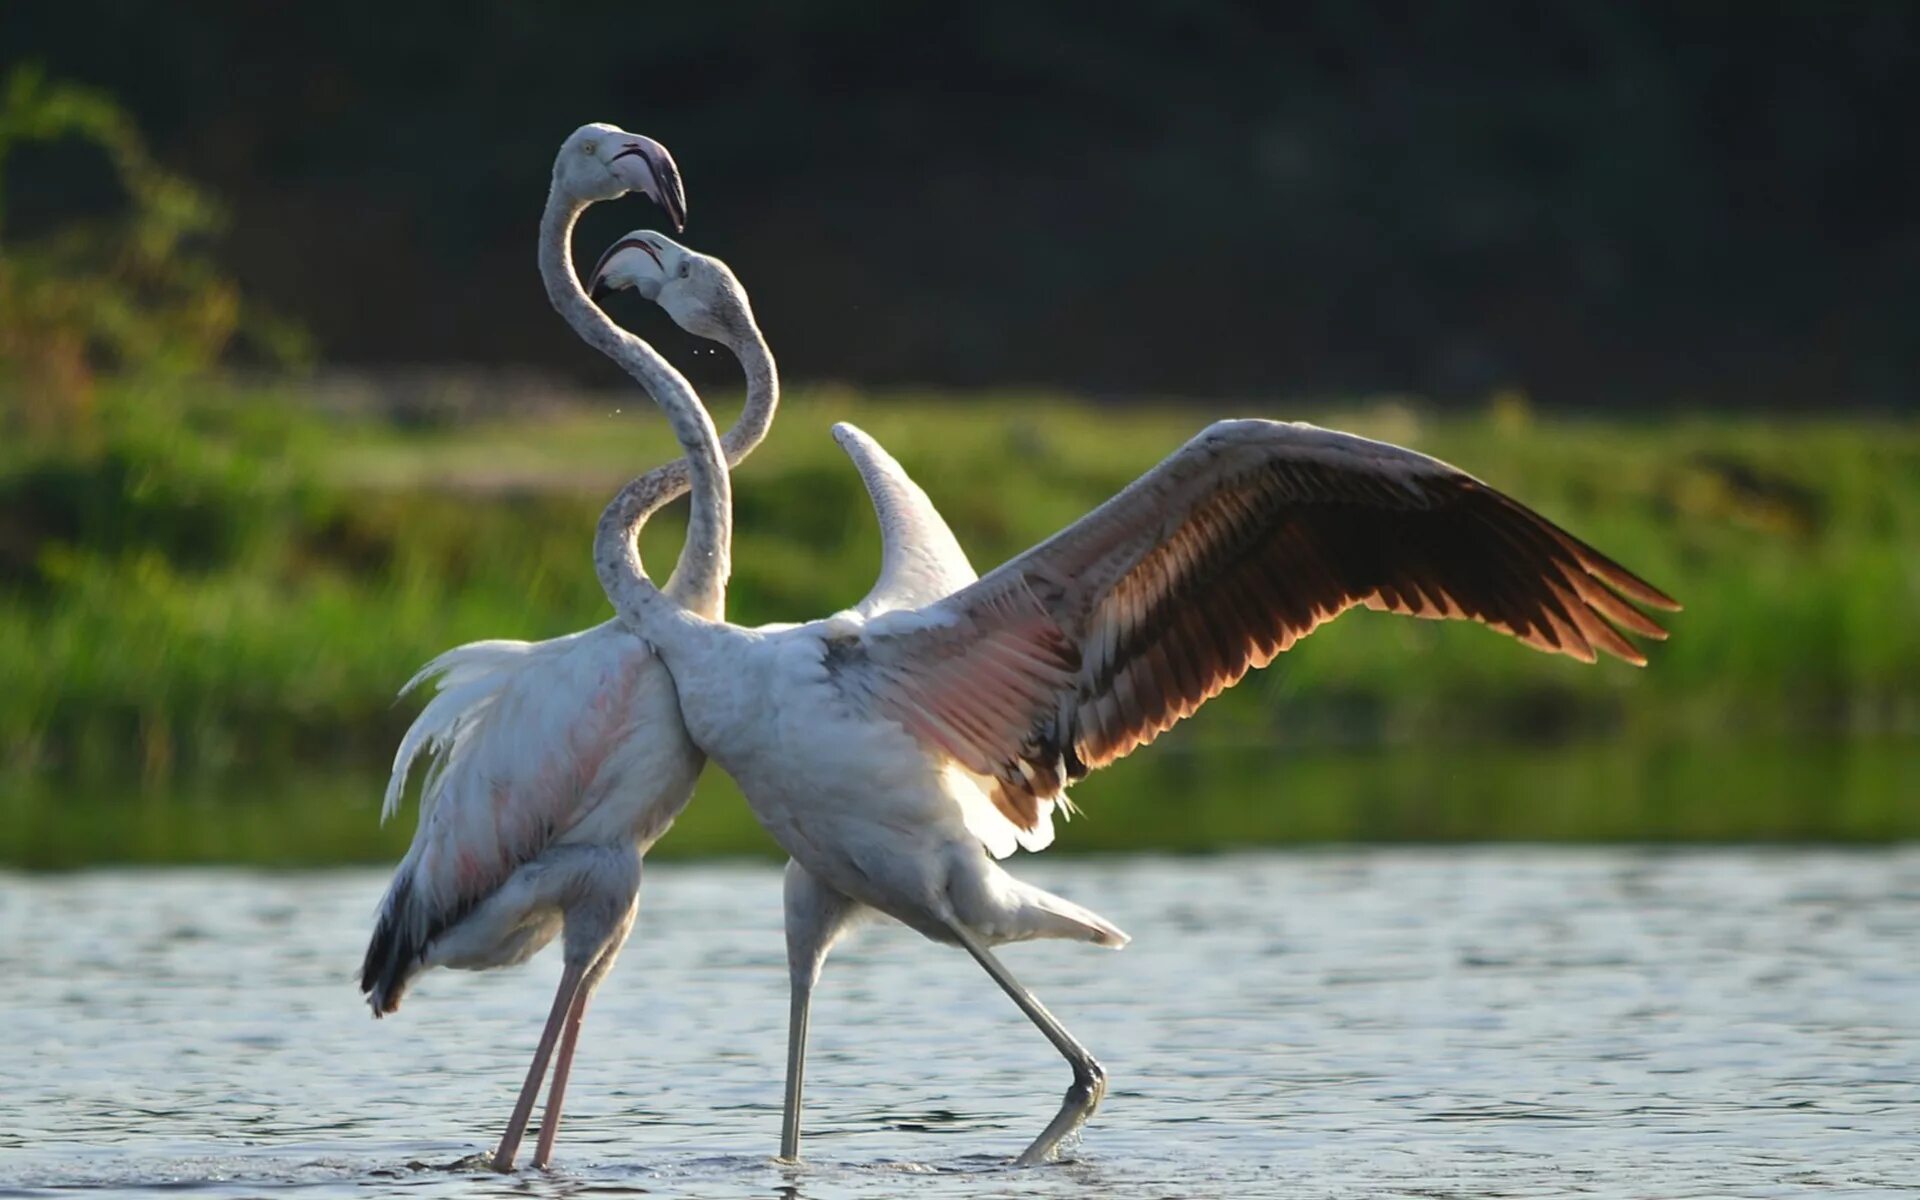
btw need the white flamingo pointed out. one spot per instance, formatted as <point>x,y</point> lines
<point>895,755</point>
<point>557,764</point>
<point>920,560</point>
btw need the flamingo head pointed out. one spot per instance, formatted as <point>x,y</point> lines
<point>602,162</point>
<point>698,291</point>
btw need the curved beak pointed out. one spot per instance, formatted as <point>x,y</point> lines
<point>599,287</point>
<point>661,180</point>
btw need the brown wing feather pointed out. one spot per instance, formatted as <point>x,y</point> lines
<point>1085,649</point>
<point>1271,557</point>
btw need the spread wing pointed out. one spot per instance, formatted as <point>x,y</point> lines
<point>920,560</point>
<point>1236,546</point>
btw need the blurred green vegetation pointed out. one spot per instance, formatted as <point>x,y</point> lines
<point>209,590</point>
<point>132,289</point>
<point>1183,796</point>
<point>207,609</point>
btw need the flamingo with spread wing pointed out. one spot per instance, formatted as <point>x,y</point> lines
<point>897,752</point>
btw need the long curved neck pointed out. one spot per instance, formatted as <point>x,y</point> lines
<point>763,390</point>
<point>699,581</point>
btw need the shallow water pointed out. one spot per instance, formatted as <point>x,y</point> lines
<point>1499,1022</point>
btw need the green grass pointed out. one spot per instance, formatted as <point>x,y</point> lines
<point>1184,796</point>
<point>229,588</point>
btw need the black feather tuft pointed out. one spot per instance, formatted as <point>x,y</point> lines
<point>393,955</point>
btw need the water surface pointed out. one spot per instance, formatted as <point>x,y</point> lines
<point>1483,1022</point>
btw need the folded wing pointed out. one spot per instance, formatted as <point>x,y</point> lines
<point>524,742</point>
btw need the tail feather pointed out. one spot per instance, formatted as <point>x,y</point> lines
<point>470,680</point>
<point>468,663</point>
<point>1045,915</point>
<point>393,954</point>
<point>469,677</point>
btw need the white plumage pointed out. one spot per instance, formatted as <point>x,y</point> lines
<point>895,752</point>
<point>552,764</point>
<point>551,767</point>
<point>529,746</point>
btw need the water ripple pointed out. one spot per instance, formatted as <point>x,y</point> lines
<point>1431,1023</point>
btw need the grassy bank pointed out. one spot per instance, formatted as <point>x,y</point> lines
<point>1181,797</point>
<point>207,591</point>
<point>1184,797</point>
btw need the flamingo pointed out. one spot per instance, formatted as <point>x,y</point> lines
<point>555,765</point>
<point>897,755</point>
<point>920,559</point>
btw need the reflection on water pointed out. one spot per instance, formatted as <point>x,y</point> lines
<point>1380,1022</point>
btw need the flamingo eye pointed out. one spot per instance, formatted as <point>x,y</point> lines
<point>591,148</point>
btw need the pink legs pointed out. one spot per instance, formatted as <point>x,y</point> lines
<point>563,1005</point>
<point>587,964</point>
<point>562,1067</point>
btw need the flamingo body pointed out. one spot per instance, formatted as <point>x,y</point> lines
<point>895,753</point>
<point>554,766</point>
<point>898,749</point>
<point>537,750</point>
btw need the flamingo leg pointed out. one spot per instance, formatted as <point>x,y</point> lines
<point>570,1037</point>
<point>1089,1077</point>
<point>562,1068</point>
<point>796,1066</point>
<point>563,998</point>
<point>817,916</point>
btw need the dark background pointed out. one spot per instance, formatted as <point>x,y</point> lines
<point>1605,204</point>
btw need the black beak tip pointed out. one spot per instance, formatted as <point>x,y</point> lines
<point>673,193</point>
<point>598,291</point>
<point>667,188</point>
